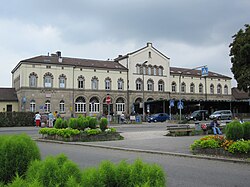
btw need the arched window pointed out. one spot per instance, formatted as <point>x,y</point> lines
<point>80,105</point>
<point>62,81</point>
<point>160,71</point>
<point>160,86</point>
<point>225,90</point>
<point>150,84</point>
<point>120,105</point>
<point>48,80</point>
<point>138,69</point>
<point>94,83</point>
<point>183,87</point>
<point>149,70</point>
<point>94,105</point>
<point>173,87</point>
<point>155,70</point>
<point>138,84</point>
<point>62,106</point>
<point>33,79</point>
<point>211,89</point>
<point>200,88</point>
<point>192,88</point>
<point>32,106</point>
<point>120,83</point>
<point>107,83</point>
<point>47,106</point>
<point>218,89</point>
<point>81,82</point>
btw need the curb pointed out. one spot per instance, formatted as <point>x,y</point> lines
<point>148,151</point>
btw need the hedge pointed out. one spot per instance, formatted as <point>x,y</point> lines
<point>16,119</point>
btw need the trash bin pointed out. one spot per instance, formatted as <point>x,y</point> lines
<point>138,119</point>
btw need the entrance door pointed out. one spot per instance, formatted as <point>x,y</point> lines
<point>9,108</point>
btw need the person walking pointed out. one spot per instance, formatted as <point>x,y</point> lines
<point>51,119</point>
<point>38,119</point>
<point>214,125</point>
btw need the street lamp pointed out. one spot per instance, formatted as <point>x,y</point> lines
<point>181,73</point>
<point>143,110</point>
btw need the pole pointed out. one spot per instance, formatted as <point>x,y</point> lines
<point>143,110</point>
<point>206,88</point>
<point>108,115</point>
<point>180,93</point>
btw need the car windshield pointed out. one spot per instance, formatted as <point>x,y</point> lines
<point>194,113</point>
<point>218,112</point>
<point>155,115</point>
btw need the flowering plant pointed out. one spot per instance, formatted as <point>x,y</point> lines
<point>203,126</point>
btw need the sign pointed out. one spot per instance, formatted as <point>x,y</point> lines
<point>180,105</point>
<point>108,99</point>
<point>204,71</point>
<point>171,102</point>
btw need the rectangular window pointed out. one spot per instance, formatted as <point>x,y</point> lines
<point>32,107</point>
<point>120,107</point>
<point>107,84</point>
<point>48,82</point>
<point>80,107</point>
<point>160,87</point>
<point>150,86</point>
<point>138,86</point>
<point>62,82</point>
<point>120,85</point>
<point>61,107</point>
<point>94,107</point>
<point>94,84</point>
<point>47,108</point>
<point>80,83</point>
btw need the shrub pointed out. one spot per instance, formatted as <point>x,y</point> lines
<point>240,147</point>
<point>73,123</point>
<point>16,153</point>
<point>206,142</point>
<point>16,119</point>
<point>58,123</point>
<point>80,122</point>
<point>90,178</point>
<point>246,127</point>
<point>64,124</point>
<point>92,122</point>
<point>107,173</point>
<point>234,131</point>
<point>54,171</point>
<point>103,124</point>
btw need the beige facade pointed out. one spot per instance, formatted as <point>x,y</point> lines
<point>80,86</point>
<point>11,105</point>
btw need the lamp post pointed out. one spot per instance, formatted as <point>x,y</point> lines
<point>181,73</point>
<point>143,110</point>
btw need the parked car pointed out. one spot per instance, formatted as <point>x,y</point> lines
<point>198,115</point>
<point>221,114</point>
<point>160,117</point>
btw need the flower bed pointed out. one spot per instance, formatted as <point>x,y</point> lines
<point>219,146</point>
<point>77,135</point>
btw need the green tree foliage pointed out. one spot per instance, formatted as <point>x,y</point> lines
<point>234,131</point>
<point>240,58</point>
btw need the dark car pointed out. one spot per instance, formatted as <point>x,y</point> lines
<point>160,117</point>
<point>198,115</point>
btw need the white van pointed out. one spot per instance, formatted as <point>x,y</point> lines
<point>221,114</point>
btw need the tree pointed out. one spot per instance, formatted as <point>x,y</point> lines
<point>240,58</point>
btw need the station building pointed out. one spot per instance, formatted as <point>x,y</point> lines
<point>139,82</point>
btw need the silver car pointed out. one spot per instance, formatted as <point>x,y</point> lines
<point>221,114</point>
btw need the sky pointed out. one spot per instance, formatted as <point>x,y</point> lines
<point>191,33</point>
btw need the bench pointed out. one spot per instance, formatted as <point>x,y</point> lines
<point>173,129</point>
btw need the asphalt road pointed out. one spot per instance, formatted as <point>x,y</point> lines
<point>180,171</point>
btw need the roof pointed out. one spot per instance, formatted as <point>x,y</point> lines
<point>120,57</point>
<point>240,94</point>
<point>194,72</point>
<point>8,94</point>
<point>78,62</point>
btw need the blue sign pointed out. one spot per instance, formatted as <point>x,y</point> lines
<point>204,71</point>
<point>171,102</point>
<point>180,105</point>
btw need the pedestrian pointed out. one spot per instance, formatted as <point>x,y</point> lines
<point>214,125</point>
<point>51,119</point>
<point>56,115</point>
<point>38,119</point>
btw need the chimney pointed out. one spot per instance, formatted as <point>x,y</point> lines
<point>149,44</point>
<point>59,53</point>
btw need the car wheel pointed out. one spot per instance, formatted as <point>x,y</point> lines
<point>194,119</point>
<point>155,120</point>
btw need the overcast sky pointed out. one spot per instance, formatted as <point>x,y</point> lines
<point>190,32</point>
